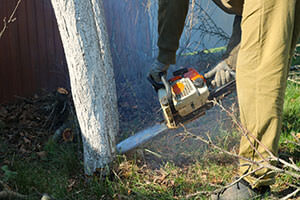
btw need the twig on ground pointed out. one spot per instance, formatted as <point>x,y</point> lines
<point>153,153</point>
<point>51,116</point>
<point>118,177</point>
<point>294,81</point>
<point>197,137</point>
<point>260,164</point>
<point>206,193</point>
<point>292,142</point>
<point>292,161</point>
<point>291,194</point>
<point>246,133</point>
<point>7,194</point>
<point>221,189</point>
<point>241,177</point>
<point>295,137</point>
<point>240,126</point>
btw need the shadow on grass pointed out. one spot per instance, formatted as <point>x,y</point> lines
<point>285,192</point>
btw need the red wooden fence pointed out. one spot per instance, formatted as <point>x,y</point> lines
<point>31,52</point>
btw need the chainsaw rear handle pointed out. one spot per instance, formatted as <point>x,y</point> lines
<point>167,87</point>
<point>169,94</point>
<point>164,85</point>
<point>155,85</point>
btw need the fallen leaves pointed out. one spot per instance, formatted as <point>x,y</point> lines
<point>27,141</point>
<point>22,124</point>
<point>71,184</point>
<point>23,149</point>
<point>68,135</point>
<point>62,91</point>
<point>127,169</point>
<point>161,178</point>
<point>3,111</point>
<point>217,181</point>
<point>165,177</point>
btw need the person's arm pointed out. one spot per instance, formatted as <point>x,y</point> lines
<point>233,45</point>
<point>223,71</point>
<point>171,19</point>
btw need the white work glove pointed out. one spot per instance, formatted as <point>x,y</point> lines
<point>157,70</point>
<point>222,74</point>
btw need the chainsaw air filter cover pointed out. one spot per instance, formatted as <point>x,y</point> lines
<point>189,92</point>
<point>181,96</point>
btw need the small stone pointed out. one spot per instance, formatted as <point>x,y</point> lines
<point>46,197</point>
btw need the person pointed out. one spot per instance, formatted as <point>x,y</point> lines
<point>269,33</point>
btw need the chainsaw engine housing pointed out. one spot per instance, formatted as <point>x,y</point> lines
<point>188,93</point>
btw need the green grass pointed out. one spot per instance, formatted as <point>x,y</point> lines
<point>49,174</point>
<point>296,57</point>
<point>291,113</point>
<point>59,172</point>
<point>55,173</point>
<point>291,126</point>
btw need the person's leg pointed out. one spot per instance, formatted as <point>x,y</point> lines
<point>221,72</point>
<point>263,62</point>
<point>232,7</point>
<point>171,19</point>
<point>296,33</point>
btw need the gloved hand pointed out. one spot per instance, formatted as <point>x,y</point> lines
<point>222,74</point>
<point>157,70</point>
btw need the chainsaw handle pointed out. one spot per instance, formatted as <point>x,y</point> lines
<point>169,94</point>
<point>167,87</point>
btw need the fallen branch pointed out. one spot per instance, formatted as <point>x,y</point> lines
<point>246,133</point>
<point>261,164</point>
<point>275,169</point>
<point>206,193</point>
<point>11,19</point>
<point>241,177</point>
<point>223,188</point>
<point>153,153</point>
<point>59,111</point>
<point>291,194</point>
<point>292,142</point>
<point>294,81</point>
<point>7,194</point>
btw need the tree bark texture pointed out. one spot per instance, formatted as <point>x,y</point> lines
<point>84,36</point>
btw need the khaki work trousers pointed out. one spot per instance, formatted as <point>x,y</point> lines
<point>171,18</point>
<point>270,30</point>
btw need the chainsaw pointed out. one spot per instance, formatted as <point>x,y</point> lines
<point>183,98</point>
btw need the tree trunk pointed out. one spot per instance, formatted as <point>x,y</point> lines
<point>84,36</point>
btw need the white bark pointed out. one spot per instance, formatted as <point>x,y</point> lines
<point>82,28</point>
